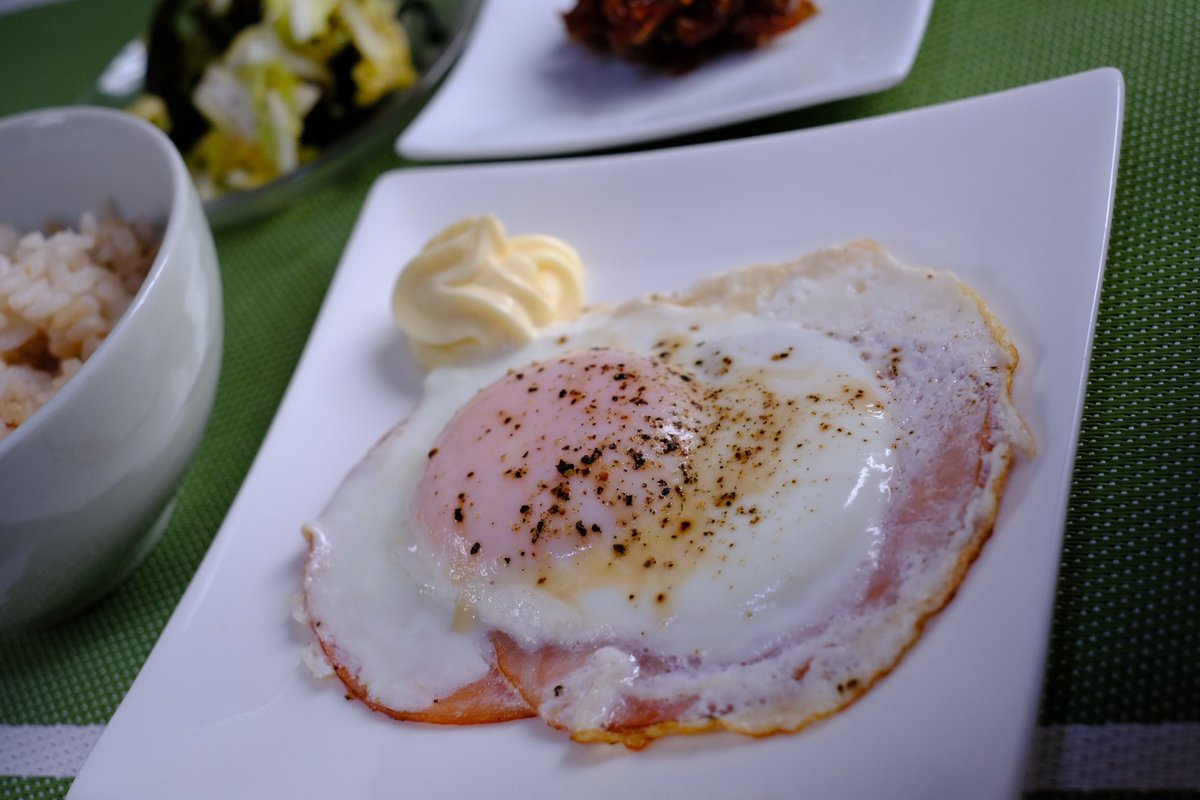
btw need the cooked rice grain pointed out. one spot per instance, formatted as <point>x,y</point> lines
<point>60,294</point>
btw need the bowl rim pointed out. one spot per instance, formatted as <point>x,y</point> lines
<point>173,231</point>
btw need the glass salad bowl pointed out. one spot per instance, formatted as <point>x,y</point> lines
<point>436,31</point>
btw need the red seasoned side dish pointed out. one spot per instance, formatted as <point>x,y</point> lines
<point>677,35</point>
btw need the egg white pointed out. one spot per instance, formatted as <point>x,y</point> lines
<point>378,588</point>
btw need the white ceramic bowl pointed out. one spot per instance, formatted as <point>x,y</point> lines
<point>86,483</point>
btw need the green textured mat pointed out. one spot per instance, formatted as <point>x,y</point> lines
<point>1126,637</point>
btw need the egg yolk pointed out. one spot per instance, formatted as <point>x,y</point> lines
<point>584,453</point>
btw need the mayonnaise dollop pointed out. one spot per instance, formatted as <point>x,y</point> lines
<point>473,291</point>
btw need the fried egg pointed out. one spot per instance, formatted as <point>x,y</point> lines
<point>730,508</point>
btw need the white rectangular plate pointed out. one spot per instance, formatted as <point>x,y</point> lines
<point>1012,191</point>
<point>522,88</point>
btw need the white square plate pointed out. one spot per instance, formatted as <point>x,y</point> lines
<point>1013,191</point>
<point>522,88</point>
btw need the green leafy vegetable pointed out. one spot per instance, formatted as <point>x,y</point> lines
<point>254,88</point>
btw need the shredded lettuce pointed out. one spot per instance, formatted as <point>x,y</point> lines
<point>386,56</point>
<point>226,101</point>
<point>305,19</point>
<point>255,96</point>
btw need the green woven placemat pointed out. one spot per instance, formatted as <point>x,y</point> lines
<point>1126,636</point>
